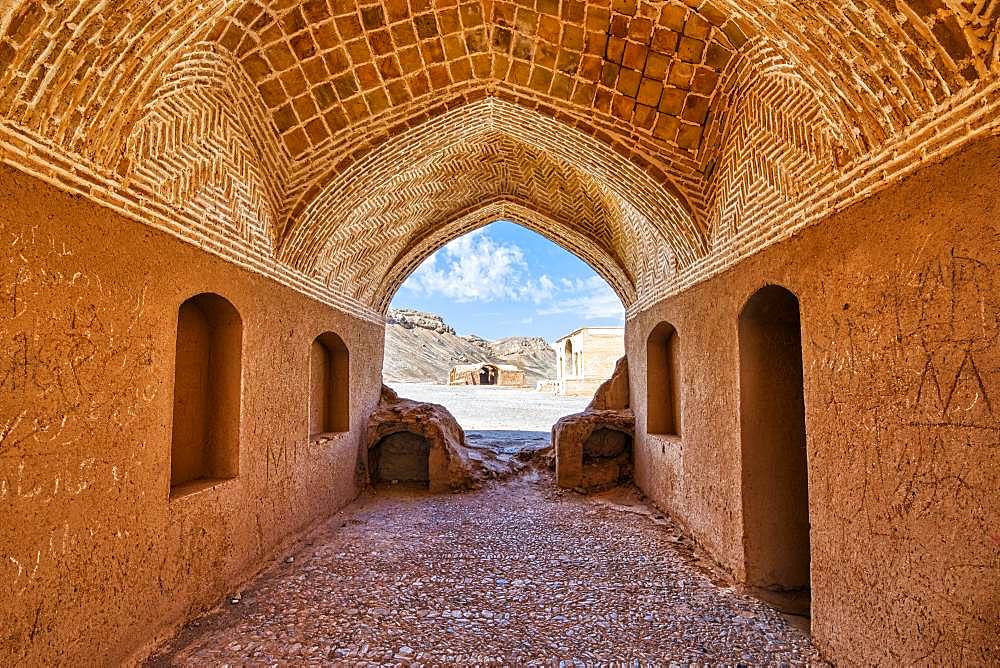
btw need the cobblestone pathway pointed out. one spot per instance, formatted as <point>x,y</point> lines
<point>516,574</point>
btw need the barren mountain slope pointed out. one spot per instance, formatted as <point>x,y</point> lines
<point>421,347</point>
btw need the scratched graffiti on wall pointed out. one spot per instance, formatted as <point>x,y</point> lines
<point>907,387</point>
<point>929,338</point>
<point>75,376</point>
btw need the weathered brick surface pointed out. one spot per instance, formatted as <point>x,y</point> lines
<point>333,144</point>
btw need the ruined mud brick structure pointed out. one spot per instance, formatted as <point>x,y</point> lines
<point>506,375</point>
<point>206,207</point>
<point>416,442</point>
<point>586,357</point>
<point>593,448</point>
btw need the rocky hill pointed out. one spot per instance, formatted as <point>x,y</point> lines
<point>421,347</point>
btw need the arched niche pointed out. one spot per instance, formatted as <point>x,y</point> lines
<point>663,381</point>
<point>207,387</point>
<point>329,385</point>
<point>775,479</point>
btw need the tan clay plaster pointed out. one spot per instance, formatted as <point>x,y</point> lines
<point>900,303</point>
<point>95,561</point>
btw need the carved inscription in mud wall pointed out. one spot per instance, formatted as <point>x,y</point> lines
<point>907,388</point>
<point>76,378</point>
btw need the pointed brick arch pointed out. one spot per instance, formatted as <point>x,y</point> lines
<point>608,267</point>
<point>483,152</point>
<point>677,172</point>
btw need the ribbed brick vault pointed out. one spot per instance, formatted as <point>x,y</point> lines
<point>333,145</point>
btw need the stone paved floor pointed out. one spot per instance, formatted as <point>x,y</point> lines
<point>517,574</point>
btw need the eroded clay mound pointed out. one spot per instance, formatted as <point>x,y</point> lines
<point>594,448</point>
<point>419,442</point>
<point>433,450</point>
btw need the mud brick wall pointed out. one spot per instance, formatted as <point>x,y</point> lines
<point>900,314</point>
<point>95,561</point>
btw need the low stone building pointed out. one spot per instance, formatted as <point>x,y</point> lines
<point>586,357</point>
<point>485,373</point>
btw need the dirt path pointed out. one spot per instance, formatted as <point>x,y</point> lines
<point>516,574</point>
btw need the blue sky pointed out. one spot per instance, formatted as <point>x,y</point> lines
<point>505,280</point>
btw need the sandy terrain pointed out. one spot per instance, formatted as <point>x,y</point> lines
<point>484,408</point>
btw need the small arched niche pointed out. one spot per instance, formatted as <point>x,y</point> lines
<point>568,360</point>
<point>663,385</point>
<point>207,387</point>
<point>773,443</point>
<point>401,457</point>
<point>329,385</point>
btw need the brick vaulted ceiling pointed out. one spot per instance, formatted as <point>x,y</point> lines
<point>333,145</point>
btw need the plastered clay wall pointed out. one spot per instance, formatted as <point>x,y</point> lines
<point>95,562</point>
<point>601,351</point>
<point>900,302</point>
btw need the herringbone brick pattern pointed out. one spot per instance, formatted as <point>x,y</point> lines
<point>333,144</point>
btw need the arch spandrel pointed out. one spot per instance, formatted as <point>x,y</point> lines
<point>609,267</point>
<point>202,144</point>
<point>506,144</point>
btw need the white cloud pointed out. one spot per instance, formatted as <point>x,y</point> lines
<point>473,268</point>
<point>478,268</point>
<point>591,299</point>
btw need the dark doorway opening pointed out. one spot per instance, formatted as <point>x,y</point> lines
<point>773,433</point>
<point>488,375</point>
<point>401,457</point>
<point>607,458</point>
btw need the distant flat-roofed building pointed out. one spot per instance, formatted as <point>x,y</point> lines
<point>486,373</point>
<point>586,357</point>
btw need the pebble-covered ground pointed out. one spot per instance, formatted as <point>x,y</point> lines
<point>516,574</point>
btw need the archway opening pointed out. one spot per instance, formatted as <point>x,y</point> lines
<point>492,324</point>
<point>488,375</point>
<point>773,436</point>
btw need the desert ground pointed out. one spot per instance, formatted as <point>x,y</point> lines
<point>491,408</point>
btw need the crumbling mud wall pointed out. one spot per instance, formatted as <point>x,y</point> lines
<point>900,315</point>
<point>95,560</point>
<point>447,461</point>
